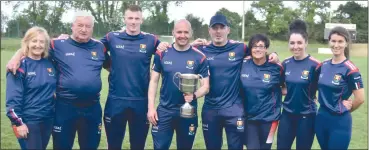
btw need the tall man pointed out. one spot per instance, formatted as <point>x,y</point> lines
<point>223,104</point>
<point>79,61</point>
<point>130,51</point>
<point>181,57</point>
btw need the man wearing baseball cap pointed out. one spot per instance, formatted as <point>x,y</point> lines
<point>223,104</point>
<point>218,18</point>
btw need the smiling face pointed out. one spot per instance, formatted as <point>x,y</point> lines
<point>182,33</point>
<point>337,44</point>
<point>297,45</point>
<point>35,43</point>
<point>259,50</point>
<point>133,21</point>
<point>36,46</point>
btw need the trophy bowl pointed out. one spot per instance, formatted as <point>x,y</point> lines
<point>187,84</point>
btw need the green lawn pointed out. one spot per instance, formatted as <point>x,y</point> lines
<point>359,132</point>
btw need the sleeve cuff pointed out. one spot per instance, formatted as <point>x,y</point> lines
<point>156,70</point>
<point>16,123</point>
<point>19,122</point>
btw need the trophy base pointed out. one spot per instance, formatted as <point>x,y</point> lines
<point>187,111</point>
<point>188,116</point>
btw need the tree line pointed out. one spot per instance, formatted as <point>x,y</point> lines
<point>274,21</point>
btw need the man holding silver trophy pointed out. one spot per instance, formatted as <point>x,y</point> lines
<point>182,67</point>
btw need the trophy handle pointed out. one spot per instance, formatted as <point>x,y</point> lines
<point>198,81</point>
<point>200,76</point>
<point>174,76</point>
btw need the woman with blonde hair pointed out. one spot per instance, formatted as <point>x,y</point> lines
<point>30,93</point>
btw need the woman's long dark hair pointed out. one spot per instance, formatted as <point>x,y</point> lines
<point>342,32</point>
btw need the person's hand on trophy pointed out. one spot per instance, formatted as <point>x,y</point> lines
<point>189,97</point>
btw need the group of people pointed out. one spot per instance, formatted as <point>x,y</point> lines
<point>53,88</point>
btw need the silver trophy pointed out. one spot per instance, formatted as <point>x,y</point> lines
<point>188,85</point>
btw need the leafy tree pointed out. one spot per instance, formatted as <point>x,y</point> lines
<point>235,21</point>
<point>253,26</point>
<point>109,14</point>
<point>4,20</point>
<point>197,27</point>
<point>159,18</point>
<point>18,26</point>
<point>354,13</point>
<point>46,14</point>
<point>270,10</point>
<point>310,10</point>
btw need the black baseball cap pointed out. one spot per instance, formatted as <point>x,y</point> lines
<point>218,18</point>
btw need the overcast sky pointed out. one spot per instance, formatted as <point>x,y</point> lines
<point>196,8</point>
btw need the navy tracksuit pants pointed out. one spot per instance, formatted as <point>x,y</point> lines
<point>21,141</point>
<point>333,131</point>
<point>22,144</point>
<point>116,117</point>
<point>213,122</point>
<point>297,126</point>
<point>259,134</point>
<point>82,118</point>
<point>38,136</point>
<point>170,120</point>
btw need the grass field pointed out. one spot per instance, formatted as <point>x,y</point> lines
<point>359,132</point>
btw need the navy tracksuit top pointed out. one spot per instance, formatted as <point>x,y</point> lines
<point>261,86</point>
<point>130,64</point>
<point>168,62</point>
<point>30,93</point>
<point>225,66</point>
<point>336,83</point>
<point>79,66</point>
<point>301,83</point>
